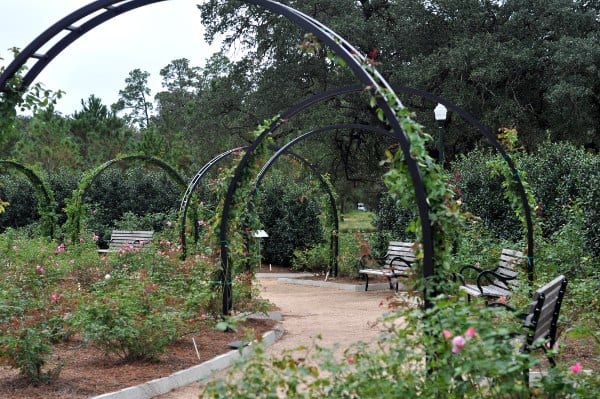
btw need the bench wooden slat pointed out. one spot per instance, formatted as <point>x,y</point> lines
<point>542,318</point>
<point>122,238</point>
<point>393,264</point>
<point>544,311</point>
<point>506,270</point>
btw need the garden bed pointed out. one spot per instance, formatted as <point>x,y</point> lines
<point>88,372</point>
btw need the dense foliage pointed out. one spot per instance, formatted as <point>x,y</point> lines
<point>561,176</point>
<point>290,214</point>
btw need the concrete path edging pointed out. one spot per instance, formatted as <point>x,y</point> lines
<point>193,374</point>
<point>339,286</point>
<point>297,278</point>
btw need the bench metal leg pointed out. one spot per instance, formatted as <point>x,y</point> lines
<point>367,284</point>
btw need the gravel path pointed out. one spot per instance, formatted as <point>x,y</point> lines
<point>340,317</point>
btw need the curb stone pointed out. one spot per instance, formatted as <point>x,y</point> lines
<point>193,374</point>
<point>339,286</point>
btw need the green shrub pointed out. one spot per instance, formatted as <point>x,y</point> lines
<point>128,318</point>
<point>391,223</point>
<point>315,259</point>
<point>483,195</point>
<point>291,217</point>
<point>22,208</point>
<point>27,349</point>
<point>32,305</point>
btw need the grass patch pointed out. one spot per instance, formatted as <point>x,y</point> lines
<point>357,221</point>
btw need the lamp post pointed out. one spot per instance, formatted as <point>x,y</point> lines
<point>440,112</point>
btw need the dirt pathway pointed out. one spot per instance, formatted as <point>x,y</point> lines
<point>340,317</point>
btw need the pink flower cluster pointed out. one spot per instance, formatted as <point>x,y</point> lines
<point>129,248</point>
<point>60,248</point>
<point>576,368</point>
<point>459,342</point>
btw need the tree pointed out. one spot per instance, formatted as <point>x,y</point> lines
<point>101,135</point>
<point>47,143</point>
<point>135,97</point>
<point>532,65</point>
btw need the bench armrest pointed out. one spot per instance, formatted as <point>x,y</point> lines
<point>401,259</point>
<point>477,269</point>
<point>491,277</point>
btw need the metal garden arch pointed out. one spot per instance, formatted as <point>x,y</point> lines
<point>73,222</point>
<point>185,201</point>
<point>285,150</point>
<point>44,196</point>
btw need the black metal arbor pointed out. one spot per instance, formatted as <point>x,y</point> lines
<point>44,196</point>
<point>101,11</point>
<point>187,197</point>
<point>74,219</point>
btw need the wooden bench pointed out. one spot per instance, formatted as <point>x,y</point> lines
<point>541,319</point>
<point>495,282</point>
<point>121,239</point>
<point>397,262</point>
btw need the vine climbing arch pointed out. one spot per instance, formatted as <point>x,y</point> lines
<point>44,197</point>
<point>383,95</point>
<point>196,180</point>
<point>75,206</point>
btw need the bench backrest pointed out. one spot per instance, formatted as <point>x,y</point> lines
<point>401,249</point>
<point>509,258</point>
<point>542,316</point>
<point>120,238</point>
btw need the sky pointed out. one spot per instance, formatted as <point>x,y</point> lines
<point>148,38</point>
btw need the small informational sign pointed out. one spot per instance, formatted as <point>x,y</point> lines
<point>260,234</point>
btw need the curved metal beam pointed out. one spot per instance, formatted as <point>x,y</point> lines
<point>183,209</point>
<point>285,150</point>
<point>496,144</point>
<point>81,192</point>
<point>108,8</point>
<point>375,83</point>
<point>353,58</point>
<point>474,122</point>
<point>42,193</point>
<point>189,192</point>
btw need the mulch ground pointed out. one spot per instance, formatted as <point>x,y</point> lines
<point>88,372</point>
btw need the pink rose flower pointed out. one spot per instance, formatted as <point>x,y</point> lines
<point>40,269</point>
<point>470,332</point>
<point>447,334</point>
<point>576,368</point>
<point>350,360</point>
<point>60,248</point>
<point>54,298</point>
<point>458,343</point>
